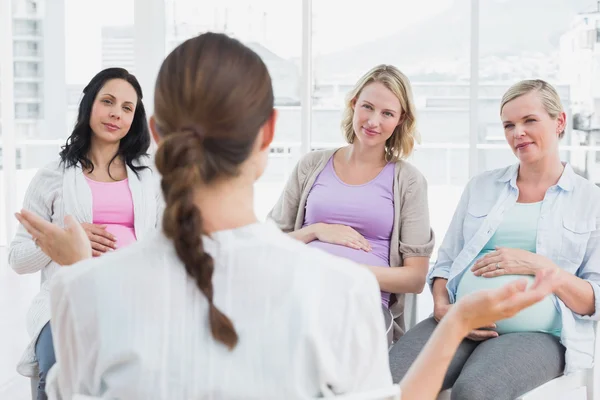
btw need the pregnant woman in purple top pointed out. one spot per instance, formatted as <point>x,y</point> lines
<point>363,201</point>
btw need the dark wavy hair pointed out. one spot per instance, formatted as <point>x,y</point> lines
<point>132,147</point>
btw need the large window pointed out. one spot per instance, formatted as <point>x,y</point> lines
<point>412,36</point>
<point>273,29</point>
<point>430,41</point>
<point>561,49</point>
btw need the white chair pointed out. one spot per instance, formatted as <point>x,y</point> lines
<point>388,319</point>
<point>411,317</point>
<point>33,382</point>
<point>389,393</point>
<point>584,384</point>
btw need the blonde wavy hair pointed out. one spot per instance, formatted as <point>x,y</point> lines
<point>402,142</point>
<point>548,95</point>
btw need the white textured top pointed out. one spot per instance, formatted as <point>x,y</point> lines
<point>53,193</point>
<point>133,325</point>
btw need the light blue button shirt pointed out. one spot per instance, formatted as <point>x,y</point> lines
<point>568,234</point>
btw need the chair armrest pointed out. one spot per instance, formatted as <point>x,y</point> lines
<point>595,373</point>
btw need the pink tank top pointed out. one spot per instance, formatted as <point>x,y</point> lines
<point>112,205</point>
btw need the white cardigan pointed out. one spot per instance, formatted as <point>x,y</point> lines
<point>53,193</point>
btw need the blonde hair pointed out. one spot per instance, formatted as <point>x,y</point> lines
<point>548,95</point>
<point>400,145</point>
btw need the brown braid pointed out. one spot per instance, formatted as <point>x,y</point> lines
<point>176,160</point>
<point>212,97</point>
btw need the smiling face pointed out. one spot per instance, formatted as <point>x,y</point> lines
<point>377,113</point>
<point>113,111</point>
<point>529,130</point>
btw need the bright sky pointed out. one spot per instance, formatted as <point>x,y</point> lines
<point>276,23</point>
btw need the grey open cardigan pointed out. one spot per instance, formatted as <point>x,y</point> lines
<point>412,235</point>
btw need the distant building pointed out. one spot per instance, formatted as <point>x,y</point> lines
<point>580,61</point>
<point>580,67</point>
<point>37,56</point>
<point>38,48</point>
<point>28,57</point>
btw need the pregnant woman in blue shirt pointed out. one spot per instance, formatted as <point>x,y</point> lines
<point>509,223</point>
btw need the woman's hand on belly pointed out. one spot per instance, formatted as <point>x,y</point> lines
<point>342,235</point>
<point>506,261</point>
<point>483,333</point>
<point>101,240</point>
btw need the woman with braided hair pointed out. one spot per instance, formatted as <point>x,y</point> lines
<point>216,304</point>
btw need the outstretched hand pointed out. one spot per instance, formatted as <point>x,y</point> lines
<point>484,308</point>
<point>64,246</point>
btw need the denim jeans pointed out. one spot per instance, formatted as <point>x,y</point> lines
<point>44,352</point>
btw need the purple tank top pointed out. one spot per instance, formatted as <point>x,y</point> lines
<point>367,208</point>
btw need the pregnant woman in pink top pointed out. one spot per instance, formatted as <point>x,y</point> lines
<point>103,179</point>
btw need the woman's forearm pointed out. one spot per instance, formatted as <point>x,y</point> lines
<point>406,279</point>
<point>424,379</point>
<point>307,234</point>
<point>440,293</point>
<point>576,293</point>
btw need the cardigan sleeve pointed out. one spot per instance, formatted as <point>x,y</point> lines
<point>23,255</point>
<point>416,236</point>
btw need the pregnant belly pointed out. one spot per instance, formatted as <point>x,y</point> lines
<point>375,258</point>
<point>124,234</point>
<point>541,317</point>
<point>358,256</point>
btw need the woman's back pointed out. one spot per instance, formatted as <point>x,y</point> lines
<point>142,326</point>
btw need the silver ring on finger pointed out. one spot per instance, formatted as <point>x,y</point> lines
<point>35,241</point>
<point>498,266</point>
